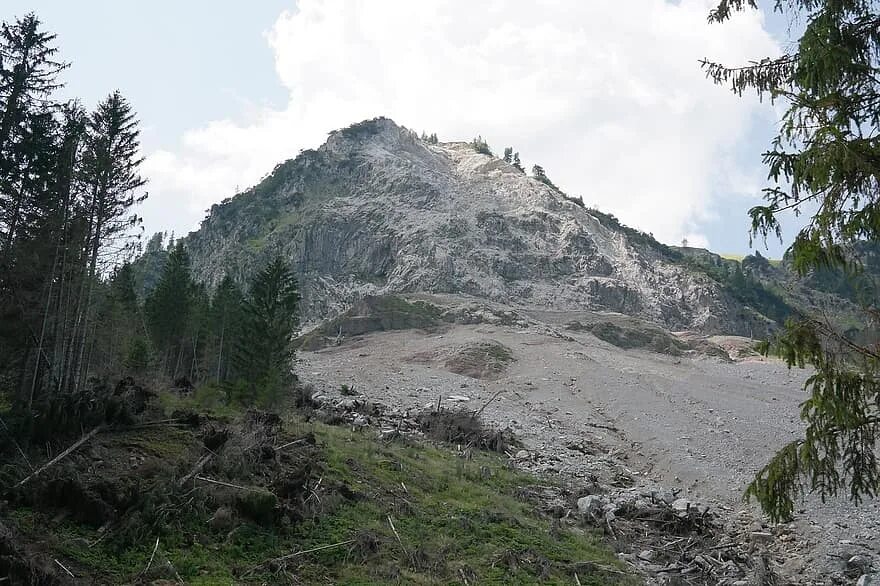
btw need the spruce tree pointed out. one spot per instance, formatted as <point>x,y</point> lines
<point>264,353</point>
<point>110,173</point>
<point>539,174</point>
<point>508,155</point>
<point>28,73</point>
<point>118,325</point>
<point>168,310</point>
<point>68,182</point>
<point>31,140</point>
<point>825,161</point>
<point>122,286</point>
<point>517,163</point>
<point>481,146</point>
<point>226,323</point>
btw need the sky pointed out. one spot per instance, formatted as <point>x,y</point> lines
<point>607,95</point>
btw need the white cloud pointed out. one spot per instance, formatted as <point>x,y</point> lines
<point>607,96</point>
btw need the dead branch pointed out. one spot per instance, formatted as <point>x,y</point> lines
<point>600,567</point>
<point>176,421</point>
<point>487,403</point>
<point>61,456</point>
<point>153,555</point>
<point>60,565</point>
<point>314,549</point>
<point>397,535</point>
<point>230,485</point>
<point>288,444</point>
<point>195,469</point>
<point>610,528</point>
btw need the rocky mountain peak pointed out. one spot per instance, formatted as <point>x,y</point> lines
<point>377,210</point>
<point>378,133</point>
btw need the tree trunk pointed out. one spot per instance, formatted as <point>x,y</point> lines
<point>220,351</point>
<point>88,288</point>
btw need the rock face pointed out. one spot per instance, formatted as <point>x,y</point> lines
<point>376,210</point>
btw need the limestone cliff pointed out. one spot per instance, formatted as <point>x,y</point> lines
<point>376,210</point>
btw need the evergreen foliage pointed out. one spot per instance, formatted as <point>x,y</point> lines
<point>481,146</point>
<point>68,181</point>
<point>264,351</point>
<point>541,175</point>
<point>825,157</point>
<point>168,310</point>
<point>227,316</point>
<point>517,163</point>
<point>512,157</point>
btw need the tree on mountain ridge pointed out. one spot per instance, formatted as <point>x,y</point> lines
<point>481,146</point>
<point>517,163</point>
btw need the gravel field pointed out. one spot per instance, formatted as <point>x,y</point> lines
<point>699,425</point>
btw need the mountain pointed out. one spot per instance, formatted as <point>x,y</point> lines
<point>377,210</point>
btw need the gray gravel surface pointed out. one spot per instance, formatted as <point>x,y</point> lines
<point>698,425</point>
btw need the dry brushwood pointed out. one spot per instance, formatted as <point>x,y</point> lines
<point>284,558</point>
<point>196,469</point>
<point>60,456</point>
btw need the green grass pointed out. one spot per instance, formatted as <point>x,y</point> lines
<point>454,515</point>
<point>208,399</point>
<point>382,313</point>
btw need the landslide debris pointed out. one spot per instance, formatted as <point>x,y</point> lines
<point>239,496</point>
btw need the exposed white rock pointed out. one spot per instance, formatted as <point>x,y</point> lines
<point>376,210</point>
<point>590,504</point>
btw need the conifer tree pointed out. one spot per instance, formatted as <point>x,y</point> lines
<point>168,310</point>
<point>31,201</point>
<point>508,155</point>
<point>28,73</point>
<point>481,146</point>
<point>118,324</point>
<point>109,171</point>
<point>226,323</point>
<point>517,163</point>
<point>68,182</point>
<point>122,287</point>
<point>826,158</point>
<point>264,353</point>
<point>541,175</point>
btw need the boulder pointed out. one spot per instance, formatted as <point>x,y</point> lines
<point>682,505</point>
<point>590,504</point>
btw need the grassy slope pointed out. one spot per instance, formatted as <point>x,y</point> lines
<point>457,518</point>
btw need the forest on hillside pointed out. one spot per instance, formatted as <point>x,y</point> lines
<point>72,321</point>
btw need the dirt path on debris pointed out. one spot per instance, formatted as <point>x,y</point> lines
<point>698,425</point>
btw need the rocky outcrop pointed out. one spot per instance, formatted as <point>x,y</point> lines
<point>377,211</point>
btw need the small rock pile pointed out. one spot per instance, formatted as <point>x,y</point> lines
<point>672,540</point>
<point>360,412</point>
